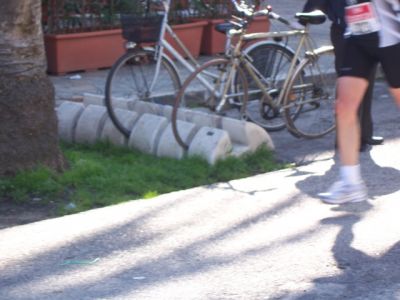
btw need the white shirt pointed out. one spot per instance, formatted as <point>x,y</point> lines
<point>388,12</point>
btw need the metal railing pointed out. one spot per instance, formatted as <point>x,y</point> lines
<point>71,16</point>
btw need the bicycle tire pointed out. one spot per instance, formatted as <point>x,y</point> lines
<point>272,61</point>
<point>312,92</point>
<point>195,96</point>
<point>130,78</point>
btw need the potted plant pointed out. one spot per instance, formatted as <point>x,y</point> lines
<point>86,35</point>
<point>219,11</point>
<point>188,25</point>
<point>81,35</point>
<point>215,12</point>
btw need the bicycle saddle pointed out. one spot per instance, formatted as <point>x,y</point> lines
<point>225,27</point>
<point>314,17</point>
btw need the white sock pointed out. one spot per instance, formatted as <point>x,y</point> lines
<point>351,174</point>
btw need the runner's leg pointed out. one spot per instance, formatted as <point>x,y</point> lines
<point>350,93</point>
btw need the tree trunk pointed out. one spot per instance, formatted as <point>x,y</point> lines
<point>28,122</point>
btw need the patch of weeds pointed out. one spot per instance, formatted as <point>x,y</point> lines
<point>40,183</point>
<point>261,161</point>
<point>101,175</point>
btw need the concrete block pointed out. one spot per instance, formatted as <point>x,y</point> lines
<point>142,107</point>
<point>124,103</point>
<point>68,114</point>
<point>247,133</point>
<point>202,118</point>
<point>211,143</point>
<point>112,134</point>
<point>95,99</point>
<point>168,146</point>
<point>164,98</point>
<point>181,114</point>
<point>118,102</point>
<point>240,149</point>
<point>58,102</point>
<point>199,117</point>
<point>146,133</point>
<point>90,124</point>
<point>167,111</point>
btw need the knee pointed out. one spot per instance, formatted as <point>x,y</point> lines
<point>346,110</point>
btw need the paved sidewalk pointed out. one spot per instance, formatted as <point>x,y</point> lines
<point>263,237</point>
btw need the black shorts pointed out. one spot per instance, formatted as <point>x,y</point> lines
<point>362,54</point>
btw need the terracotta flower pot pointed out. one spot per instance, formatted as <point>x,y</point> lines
<point>83,51</point>
<point>259,24</point>
<point>100,49</point>
<point>213,42</point>
<point>191,36</point>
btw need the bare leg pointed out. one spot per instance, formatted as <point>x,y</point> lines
<point>350,187</point>
<point>350,93</point>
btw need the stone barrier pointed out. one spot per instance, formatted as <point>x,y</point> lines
<point>211,143</point>
<point>68,114</point>
<point>210,136</point>
<point>111,133</point>
<point>146,133</point>
<point>90,124</point>
<point>169,147</point>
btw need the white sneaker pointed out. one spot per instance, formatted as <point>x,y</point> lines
<point>341,192</point>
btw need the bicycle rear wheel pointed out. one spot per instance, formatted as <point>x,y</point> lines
<point>309,100</point>
<point>131,79</point>
<point>210,89</point>
<point>271,62</point>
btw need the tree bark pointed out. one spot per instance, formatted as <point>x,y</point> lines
<point>28,121</point>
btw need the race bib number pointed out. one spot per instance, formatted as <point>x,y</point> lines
<point>361,19</point>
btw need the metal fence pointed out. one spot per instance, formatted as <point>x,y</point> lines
<point>69,16</point>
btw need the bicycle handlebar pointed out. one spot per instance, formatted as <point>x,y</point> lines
<point>248,12</point>
<point>243,9</point>
<point>263,12</point>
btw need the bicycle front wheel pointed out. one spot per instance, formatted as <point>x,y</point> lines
<point>271,63</point>
<point>309,100</point>
<point>134,77</point>
<point>215,88</point>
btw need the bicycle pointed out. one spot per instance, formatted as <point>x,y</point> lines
<point>271,100</point>
<point>136,74</point>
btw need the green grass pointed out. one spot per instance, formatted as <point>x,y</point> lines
<point>102,175</point>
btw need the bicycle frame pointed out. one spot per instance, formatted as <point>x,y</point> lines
<point>239,59</point>
<point>304,43</point>
<point>163,45</point>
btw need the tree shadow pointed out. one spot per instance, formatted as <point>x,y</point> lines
<point>131,261</point>
<point>42,274</point>
<point>232,187</point>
